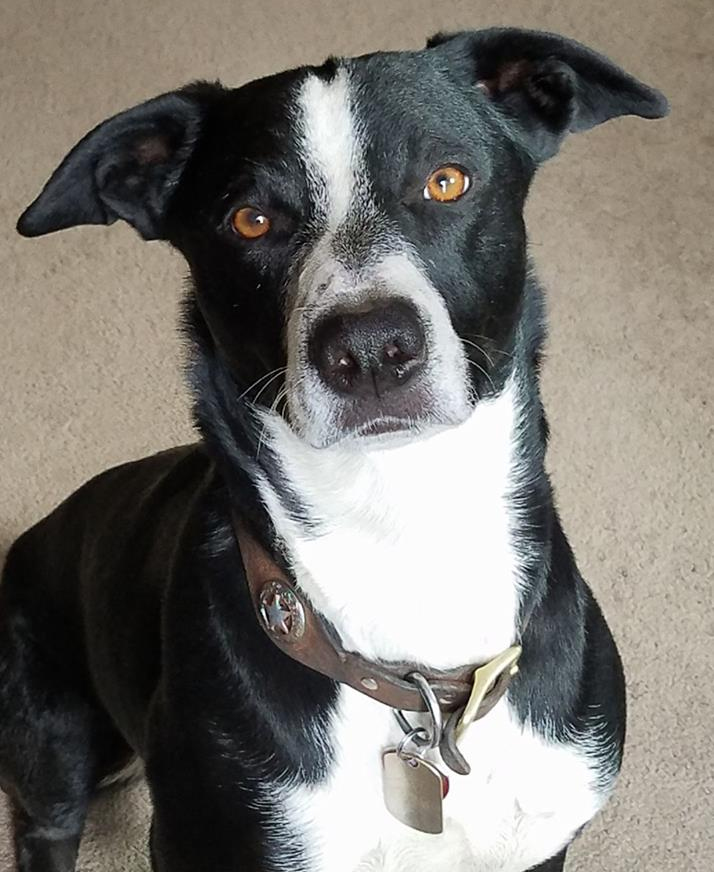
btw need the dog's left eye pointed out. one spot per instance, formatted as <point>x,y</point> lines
<point>250,223</point>
<point>447,184</point>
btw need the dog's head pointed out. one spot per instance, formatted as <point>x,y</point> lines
<point>354,231</point>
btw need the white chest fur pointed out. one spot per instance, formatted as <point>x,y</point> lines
<point>524,800</point>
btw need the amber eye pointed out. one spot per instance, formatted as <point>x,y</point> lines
<point>446,184</point>
<point>250,222</point>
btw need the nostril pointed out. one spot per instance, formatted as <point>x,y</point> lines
<point>347,362</point>
<point>399,352</point>
<point>339,366</point>
<point>392,352</point>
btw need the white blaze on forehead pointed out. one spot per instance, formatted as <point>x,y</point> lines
<point>330,144</point>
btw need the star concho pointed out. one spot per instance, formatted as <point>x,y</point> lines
<point>282,612</point>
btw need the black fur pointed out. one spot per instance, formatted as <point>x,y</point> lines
<point>125,622</point>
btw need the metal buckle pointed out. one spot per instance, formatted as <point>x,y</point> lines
<point>485,678</point>
<point>491,679</point>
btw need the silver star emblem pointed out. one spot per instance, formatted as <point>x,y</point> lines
<point>281,611</point>
<point>277,616</point>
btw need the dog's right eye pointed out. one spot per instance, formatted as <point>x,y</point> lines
<point>446,184</point>
<point>250,223</point>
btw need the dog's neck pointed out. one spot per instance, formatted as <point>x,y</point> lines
<point>414,551</point>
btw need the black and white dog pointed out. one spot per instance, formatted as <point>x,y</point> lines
<point>366,335</point>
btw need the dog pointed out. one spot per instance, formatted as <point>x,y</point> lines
<point>345,630</point>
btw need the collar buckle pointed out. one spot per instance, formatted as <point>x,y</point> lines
<point>490,680</point>
<point>490,683</point>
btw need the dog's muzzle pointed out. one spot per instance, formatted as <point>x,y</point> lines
<point>372,359</point>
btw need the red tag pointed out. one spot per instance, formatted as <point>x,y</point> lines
<point>444,785</point>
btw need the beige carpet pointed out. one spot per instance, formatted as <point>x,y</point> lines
<point>621,231</point>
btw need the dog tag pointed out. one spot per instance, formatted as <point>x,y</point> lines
<point>414,791</point>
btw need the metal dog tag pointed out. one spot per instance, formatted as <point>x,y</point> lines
<point>414,791</point>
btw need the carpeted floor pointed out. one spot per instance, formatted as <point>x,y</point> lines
<point>621,231</point>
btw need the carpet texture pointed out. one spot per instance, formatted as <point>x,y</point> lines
<point>620,231</point>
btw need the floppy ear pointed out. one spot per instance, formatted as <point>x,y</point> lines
<point>127,167</point>
<point>546,84</point>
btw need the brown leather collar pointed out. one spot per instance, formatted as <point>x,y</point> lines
<point>289,621</point>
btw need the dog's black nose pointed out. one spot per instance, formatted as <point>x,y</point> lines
<point>369,351</point>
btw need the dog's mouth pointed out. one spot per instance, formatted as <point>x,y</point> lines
<point>379,426</point>
<point>384,426</point>
<point>353,426</point>
<point>369,424</point>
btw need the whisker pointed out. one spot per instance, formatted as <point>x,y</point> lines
<point>259,380</point>
<point>260,439</point>
<point>481,369</point>
<point>305,308</point>
<point>497,350</point>
<point>480,350</point>
<point>282,394</point>
<point>276,374</point>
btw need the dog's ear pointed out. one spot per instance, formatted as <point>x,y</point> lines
<point>127,167</point>
<point>545,84</point>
